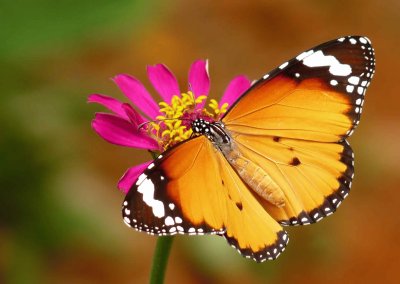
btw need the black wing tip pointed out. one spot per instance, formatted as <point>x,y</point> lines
<point>357,41</point>
<point>364,74</point>
<point>270,252</point>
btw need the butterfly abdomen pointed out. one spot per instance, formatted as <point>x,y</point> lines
<point>254,176</point>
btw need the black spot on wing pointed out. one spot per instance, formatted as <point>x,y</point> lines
<point>239,205</point>
<point>295,161</point>
<point>276,139</point>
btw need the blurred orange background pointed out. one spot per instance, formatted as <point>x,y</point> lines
<point>60,209</point>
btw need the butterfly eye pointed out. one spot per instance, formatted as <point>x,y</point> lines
<point>200,126</point>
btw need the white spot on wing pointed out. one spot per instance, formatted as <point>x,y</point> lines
<point>334,82</point>
<point>283,65</point>
<point>147,190</point>
<point>169,221</point>
<point>141,178</point>
<point>349,88</point>
<point>354,80</point>
<point>318,59</point>
<point>303,55</point>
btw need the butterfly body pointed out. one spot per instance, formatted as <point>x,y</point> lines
<point>253,175</point>
<point>278,157</point>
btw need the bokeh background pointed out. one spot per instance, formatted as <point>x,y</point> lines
<point>60,216</point>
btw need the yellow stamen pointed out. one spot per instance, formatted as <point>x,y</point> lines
<point>217,112</point>
<point>168,129</point>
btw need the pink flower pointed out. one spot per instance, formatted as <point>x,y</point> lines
<point>159,126</point>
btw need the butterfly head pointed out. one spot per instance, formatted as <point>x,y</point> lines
<point>201,126</point>
<point>214,131</point>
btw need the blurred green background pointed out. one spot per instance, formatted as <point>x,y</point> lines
<point>60,209</point>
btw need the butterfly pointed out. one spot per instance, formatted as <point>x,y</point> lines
<point>278,157</point>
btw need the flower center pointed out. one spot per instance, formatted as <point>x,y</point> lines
<point>173,125</point>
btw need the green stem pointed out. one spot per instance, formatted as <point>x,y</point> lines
<point>160,259</point>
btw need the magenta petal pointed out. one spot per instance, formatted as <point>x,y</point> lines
<point>130,176</point>
<point>137,93</point>
<point>133,115</point>
<point>119,131</point>
<point>163,81</point>
<point>112,104</point>
<point>235,89</point>
<point>199,80</point>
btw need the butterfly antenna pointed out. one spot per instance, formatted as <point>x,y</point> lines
<point>140,126</point>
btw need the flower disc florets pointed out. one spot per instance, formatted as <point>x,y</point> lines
<point>174,123</point>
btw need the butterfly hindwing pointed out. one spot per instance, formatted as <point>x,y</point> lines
<point>293,123</point>
<point>193,190</point>
<point>315,177</point>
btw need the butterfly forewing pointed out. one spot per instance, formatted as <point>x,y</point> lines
<point>293,122</point>
<point>317,95</point>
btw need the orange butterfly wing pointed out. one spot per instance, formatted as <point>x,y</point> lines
<point>192,189</point>
<point>293,124</point>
